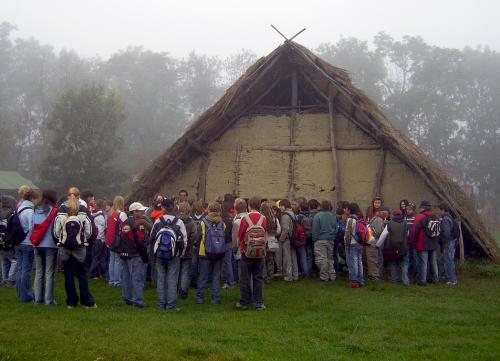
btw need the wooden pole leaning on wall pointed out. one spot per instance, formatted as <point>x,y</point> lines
<point>333,144</point>
<point>291,165</point>
<point>201,191</point>
<point>380,174</point>
<point>237,170</point>
<point>461,242</point>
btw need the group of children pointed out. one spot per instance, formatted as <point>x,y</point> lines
<point>178,244</point>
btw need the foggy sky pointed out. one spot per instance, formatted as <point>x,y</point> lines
<point>101,27</point>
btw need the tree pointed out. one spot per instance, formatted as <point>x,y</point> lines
<point>84,125</point>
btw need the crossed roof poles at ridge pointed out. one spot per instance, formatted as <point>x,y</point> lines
<point>284,37</point>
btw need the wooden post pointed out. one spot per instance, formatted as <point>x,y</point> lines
<point>291,164</point>
<point>333,145</point>
<point>201,191</point>
<point>461,243</point>
<point>380,174</point>
<point>239,150</point>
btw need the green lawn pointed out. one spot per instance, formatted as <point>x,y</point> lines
<point>308,320</point>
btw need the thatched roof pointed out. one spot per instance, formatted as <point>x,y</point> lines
<point>329,82</point>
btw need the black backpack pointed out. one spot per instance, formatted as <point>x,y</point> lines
<point>15,233</point>
<point>432,227</point>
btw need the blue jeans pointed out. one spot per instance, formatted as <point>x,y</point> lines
<point>354,255</point>
<point>412,260</point>
<point>209,269</point>
<point>166,283</point>
<point>194,270</point>
<point>133,280</point>
<point>302,259</point>
<point>185,277</point>
<point>45,265</point>
<point>76,267</point>
<point>310,257</point>
<point>9,266</point>
<point>449,260</point>
<point>228,265</point>
<point>115,268</point>
<point>24,256</point>
<point>403,265</point>
<point>423,257</point>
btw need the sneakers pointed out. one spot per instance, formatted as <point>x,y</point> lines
<point>353,284</point>
<point>239,306</point>
<point>91,306</point>
<point>227,286</point>
<point>451,283</point>
<point>260,307</point>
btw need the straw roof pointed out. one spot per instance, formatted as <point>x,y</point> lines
<point>330,84</point>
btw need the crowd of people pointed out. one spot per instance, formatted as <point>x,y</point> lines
<point>178,244</point>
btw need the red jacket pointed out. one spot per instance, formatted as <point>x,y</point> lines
<point>417,234</point>
<point>254,217</point>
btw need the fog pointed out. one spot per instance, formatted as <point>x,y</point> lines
<point>94,27</point>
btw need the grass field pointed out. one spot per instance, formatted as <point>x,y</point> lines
<point>307,320</point>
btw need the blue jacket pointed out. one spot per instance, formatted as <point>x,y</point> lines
<point>26,218</point>
<point>48,239</point>
<point>324,226</point>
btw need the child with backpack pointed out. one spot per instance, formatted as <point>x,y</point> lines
<point>273,229</point>
<point>227,218</point>
<point>448,239</point>
<point>425,236</point>
<point>211,252</point>
<point>324,231</point>
<point>133,253</point>
<point>240,206</point>
<point>393,242</point>
<point>305,220</point>
<point>45,248</point>
<point>169,239</point>
<point>193,236</point>
<point>22,226</point>
<point>72,229</point>
<point>116,216</point>
<point>99,266</point>
<point>371,251</point>
<point>7,252</point>
<point>252,237</point>
<point>288,221</point>
<point>353,240</point>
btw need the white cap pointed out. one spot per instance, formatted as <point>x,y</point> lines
<point>136,206</point>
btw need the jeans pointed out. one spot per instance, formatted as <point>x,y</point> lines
<point>75,266</point>
<point>98,268</point>
<point>290,268</point>
<point>228,265</point>
<point>423,258</point>
<point>9,266</point>
<point>185,277</point>
<point>412,260</point>
<point>302,259</point>
<point>354,255</point>
<point>167,273</point>
<point>45,265</point>
<point>310,256</point>
<point>323,252</point>
<point>251,269</point>
<point>236,269</point>
<point>449,260</point>
<point>194,270</point>
<point>133,280</point>
<point>209,267</point>
<point>115,266</point>
<point>24,256</point>
<point>403,265</point>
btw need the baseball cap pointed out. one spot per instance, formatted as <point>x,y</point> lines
<point>136,206</point>
<point>425,204</point>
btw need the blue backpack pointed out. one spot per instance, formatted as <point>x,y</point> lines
<point>215,242</point>
<point>169,242</point>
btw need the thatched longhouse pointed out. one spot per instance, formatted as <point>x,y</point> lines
<point>294,125</point>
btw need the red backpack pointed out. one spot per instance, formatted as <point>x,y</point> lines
<point>255,238</point>
<point>361,235</point>
<point>113,226</point>
<point>298,237</point>
<point>39,229</point>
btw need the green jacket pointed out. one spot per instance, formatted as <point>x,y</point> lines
<point>324,226</point>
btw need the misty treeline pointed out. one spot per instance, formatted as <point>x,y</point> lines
<point>96,123</point>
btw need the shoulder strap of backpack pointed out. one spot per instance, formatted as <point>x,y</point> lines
<point>261,220</point>
<point>22,210</point>
<point>249,221</point>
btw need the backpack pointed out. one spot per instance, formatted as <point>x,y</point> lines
<point>215,242</point>
<point>432,227</point>
<point>395,249</point>
<point>15,233</point>
<point>169,242</point>
<point>39,229</point>
<point>456,229</point>
<point>3,229</point>
<point>113,226</point>
<point>72,233</point>
<point>298,236</point>
<point>254,242</point>
<point>361,234</point>
<point>377,226</point>
<point>307,225</point>
<point>95,231</point>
